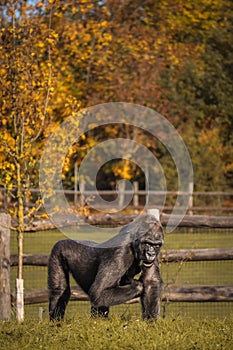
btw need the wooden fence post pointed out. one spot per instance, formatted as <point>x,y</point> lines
<point>135,196</point>
<point>82,196</point>
<point>154,212</point>
<point>75,184</point>
<point>121,195</point>
<point>190,197</point>
<point>5,296</point>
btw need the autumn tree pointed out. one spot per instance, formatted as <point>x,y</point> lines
<point>154,53</point>
<point>27,44</point>
<point>205,88</point>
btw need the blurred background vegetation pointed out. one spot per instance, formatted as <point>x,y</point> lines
<point>175,57</point>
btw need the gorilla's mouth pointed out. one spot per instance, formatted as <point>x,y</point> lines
<point>148,260</point>
<point>147,264</point>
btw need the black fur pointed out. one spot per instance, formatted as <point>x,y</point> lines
<point>150,297</point>
<point>104,271</point>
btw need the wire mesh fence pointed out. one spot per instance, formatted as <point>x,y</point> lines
<point>182,273</point>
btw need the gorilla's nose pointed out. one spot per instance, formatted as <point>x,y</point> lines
<point>151,251</point>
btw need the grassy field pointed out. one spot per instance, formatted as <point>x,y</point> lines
<point>41,242</point>
<point>85,333</point>
<point>188,326</point>
<point>189,273</point>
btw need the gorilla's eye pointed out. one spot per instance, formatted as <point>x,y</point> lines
<point>149,246</point>
<point>149,243</point>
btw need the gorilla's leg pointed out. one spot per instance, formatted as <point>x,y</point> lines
<point>59,289</point>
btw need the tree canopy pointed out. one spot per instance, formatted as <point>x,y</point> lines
<point>173,56</point>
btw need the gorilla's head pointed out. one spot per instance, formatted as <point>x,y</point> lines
<point>149,238</point>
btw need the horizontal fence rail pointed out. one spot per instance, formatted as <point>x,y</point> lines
<point>119,219</point>
<point>184,221</point>
<point>199,202</point>
<point>213,254</point>
<point>170,293</point>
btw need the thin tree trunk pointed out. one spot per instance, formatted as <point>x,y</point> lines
<point>19,280</point>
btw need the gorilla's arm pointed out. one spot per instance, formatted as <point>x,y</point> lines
<point>152,287</point>
<point>134,270</point>
<point>107,288</point>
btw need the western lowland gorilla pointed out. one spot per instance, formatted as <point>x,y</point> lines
<point>106,271</point>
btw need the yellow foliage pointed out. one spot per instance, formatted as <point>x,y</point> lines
<point>210,139</point>
<point>75,54</point>
<point>122,170</point>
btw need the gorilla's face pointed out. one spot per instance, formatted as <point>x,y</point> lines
<point>149,245</point>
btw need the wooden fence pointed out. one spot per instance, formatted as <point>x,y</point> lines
<point>5,297</point>
<point>216,202</point>
<point>170,293</point>
<point>190,221</point>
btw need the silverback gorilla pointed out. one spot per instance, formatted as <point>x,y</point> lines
<point>105,271</point>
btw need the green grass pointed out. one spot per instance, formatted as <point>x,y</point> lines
<point>199,238</point>
<point>117,333</point>
<point>80,309</point>
<point>187,273</point>
<point>198,273</point>
<point>41,242</point>
<point>185,326</point>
